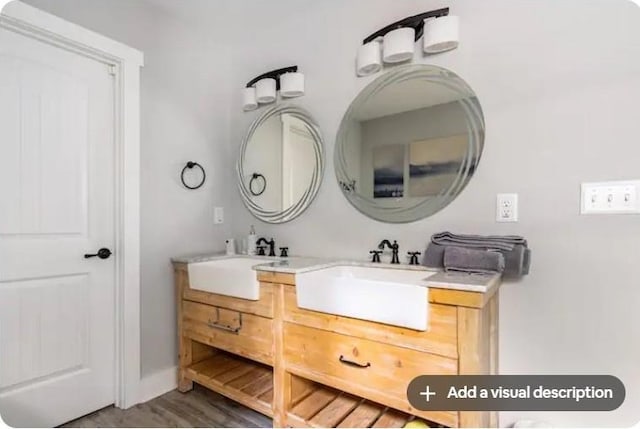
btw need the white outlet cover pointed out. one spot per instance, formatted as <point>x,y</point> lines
<point>507,208</point>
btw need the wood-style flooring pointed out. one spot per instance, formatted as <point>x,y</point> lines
<point>197,408</point>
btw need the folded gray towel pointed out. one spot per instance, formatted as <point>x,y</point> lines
<point>527,261</point>
<point>517,256</point>
<point>460,259</point>
<point>501,242</point>
<point>434,256</point>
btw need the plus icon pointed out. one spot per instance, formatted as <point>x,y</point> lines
<point>427,394</point>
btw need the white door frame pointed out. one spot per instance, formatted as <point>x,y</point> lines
<point>125,63</point>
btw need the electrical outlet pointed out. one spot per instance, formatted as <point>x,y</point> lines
<point>218,215</point>
<point>507,208</point>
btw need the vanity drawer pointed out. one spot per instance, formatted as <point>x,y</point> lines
<point>376,371</point>
<point>241,333</point>
<point>439,338</point>
<point>262,307</point>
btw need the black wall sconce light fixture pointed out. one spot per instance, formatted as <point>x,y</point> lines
<point>263,89</point>
<point>438,29</point>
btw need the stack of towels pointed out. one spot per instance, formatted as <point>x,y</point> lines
<point>489,254</point>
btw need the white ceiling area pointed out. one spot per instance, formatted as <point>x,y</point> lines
<point>236,20</point>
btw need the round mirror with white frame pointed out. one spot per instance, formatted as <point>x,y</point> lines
<point>409,143</point>
<point>281,162</point>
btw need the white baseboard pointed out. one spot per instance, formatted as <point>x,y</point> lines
<point>158,383</point>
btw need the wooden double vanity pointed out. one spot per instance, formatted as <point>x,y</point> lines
<point>312,369</point>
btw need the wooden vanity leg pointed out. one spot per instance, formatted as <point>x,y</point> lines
<point>185,359</point>
<point>185,350</point>
<point>281,378</point>
<point>473,352</point>
<point>281,397</point>
<point>494,310</point>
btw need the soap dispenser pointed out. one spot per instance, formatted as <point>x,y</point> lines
<point>251,241</point>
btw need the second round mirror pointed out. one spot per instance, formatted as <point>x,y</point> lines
<point>409,143</point>
<point>281,163</point>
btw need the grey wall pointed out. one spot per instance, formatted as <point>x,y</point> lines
<point>182,120</point>
<point>442,120</point>
<point>559,83</point>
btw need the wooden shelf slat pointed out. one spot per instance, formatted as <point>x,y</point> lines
<point>260,385</point>
<point>326,407</point>
<point>241,380</point>
<point>391,419</point>
<point>363,416</point>
<point>335,412</point>
<point>313,403</point>
<point>267,396</point>
<point>217,364</point>
<point>234,373</point>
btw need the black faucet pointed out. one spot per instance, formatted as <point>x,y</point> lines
<point>376,255</point>
<point>271,244</point>
<point>394,247</point>
<point>414,258</point>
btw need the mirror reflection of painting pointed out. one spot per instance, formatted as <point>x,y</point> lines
<point>434,164</point>
<point>388,171</point>
<point>410,141</point>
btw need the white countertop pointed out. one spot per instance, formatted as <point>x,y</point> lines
<point>300,264</point>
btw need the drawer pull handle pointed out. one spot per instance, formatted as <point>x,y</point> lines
<point>217,325</point>
<point>351,363</point>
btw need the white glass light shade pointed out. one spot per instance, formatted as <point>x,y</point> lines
<point>441,34</point>
<point>398,45</point>
<point>249,99</point>
<point>266,90</point>
<point>369,59</point>
<point>292,84</point>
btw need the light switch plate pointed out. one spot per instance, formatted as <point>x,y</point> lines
<point>218,215</point>
<point>507,208</point>
<point>619,197</point>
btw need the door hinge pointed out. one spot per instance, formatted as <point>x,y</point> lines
<point>112,70</point>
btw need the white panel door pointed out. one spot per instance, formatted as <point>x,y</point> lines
<point>57,314</point>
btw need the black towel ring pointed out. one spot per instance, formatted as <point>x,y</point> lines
<point>190,165</point>
<point>256,176</point>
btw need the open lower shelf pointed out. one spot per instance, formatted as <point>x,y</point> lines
<point>326,407</point>
<point>247,382</point>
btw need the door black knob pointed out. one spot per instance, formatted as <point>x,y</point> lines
<point>103,253</point>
